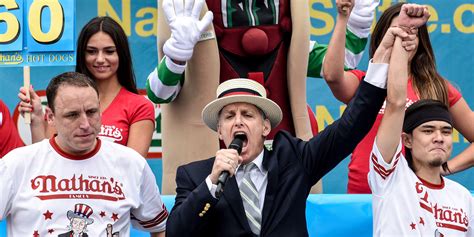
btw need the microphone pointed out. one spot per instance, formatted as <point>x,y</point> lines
<point>236,144</point>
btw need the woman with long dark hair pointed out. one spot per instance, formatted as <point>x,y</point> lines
<point>103,54</point>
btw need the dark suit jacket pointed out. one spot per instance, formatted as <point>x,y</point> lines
<point>293,167</point>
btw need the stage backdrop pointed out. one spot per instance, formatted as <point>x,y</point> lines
<point>452,34</point>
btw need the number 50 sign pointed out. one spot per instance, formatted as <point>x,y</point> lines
<point>37,32</point>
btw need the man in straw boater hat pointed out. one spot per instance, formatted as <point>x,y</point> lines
<point>38,182</point>
<point>233,39</point>
<point>410,197</point>
<point>267,189</point>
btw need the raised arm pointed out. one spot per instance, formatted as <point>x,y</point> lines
<point>347,45</point>
<point>342,84</point>
<point>38,126</point>
<point>340,138</point>
<point>388,136</point>
<point>164,83</point>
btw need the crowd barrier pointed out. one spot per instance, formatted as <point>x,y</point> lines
<point>328,215</point>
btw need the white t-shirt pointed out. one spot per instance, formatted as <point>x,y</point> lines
<point>46,192</point>
<point>406,205</point>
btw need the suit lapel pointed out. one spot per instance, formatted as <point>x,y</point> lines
<point>271,166</point>
<point>232,196</point>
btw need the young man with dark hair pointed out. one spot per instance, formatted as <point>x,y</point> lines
<point>410,197</point>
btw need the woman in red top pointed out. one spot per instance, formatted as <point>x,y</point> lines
<point>103,54</point>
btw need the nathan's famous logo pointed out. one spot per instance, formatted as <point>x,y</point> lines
<point>452,218</point>
<point>90,187</point>
<point>153,152</point>
<point>445,216</point>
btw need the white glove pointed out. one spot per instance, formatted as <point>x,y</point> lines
<point>185,26</point>
<point>361,17</point>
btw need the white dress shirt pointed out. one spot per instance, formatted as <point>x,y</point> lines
<point>258,177</point>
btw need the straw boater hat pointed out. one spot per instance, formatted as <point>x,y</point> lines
<point>241,90</point>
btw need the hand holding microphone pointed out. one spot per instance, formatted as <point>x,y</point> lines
<point>226,163</point>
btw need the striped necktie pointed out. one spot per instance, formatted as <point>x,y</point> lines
<point>249,195</point>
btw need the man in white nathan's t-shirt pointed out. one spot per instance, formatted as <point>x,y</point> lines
<point>410,197</point>
<point>75,184</point>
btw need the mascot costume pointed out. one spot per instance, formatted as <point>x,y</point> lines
<point>264,40</point>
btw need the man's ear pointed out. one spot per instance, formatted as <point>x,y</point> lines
<point>49,115</point>
<point>219,133</point>
<point>407,140</point>
<point>267,127</point>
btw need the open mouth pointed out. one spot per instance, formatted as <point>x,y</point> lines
<point>243,138</point>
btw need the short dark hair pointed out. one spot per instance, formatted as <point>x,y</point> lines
<point>421,112</point>
<point>425,110</point>
<point>67,79</point>
<point>105,24</point>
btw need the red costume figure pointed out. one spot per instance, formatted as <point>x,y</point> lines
<point>265,40</point>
